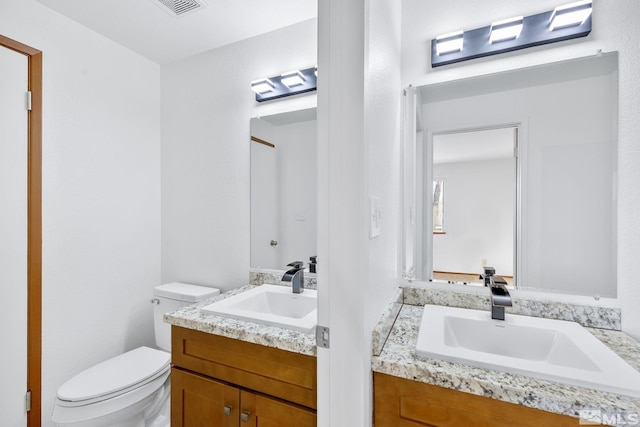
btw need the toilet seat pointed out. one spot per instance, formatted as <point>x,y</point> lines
<point>115,377</point>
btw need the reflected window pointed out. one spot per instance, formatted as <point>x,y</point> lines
<point>438,206</point>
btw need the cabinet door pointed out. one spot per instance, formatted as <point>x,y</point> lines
<point>263,411</point>
<point>201,402</point>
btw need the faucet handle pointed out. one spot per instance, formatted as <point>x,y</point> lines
<point>498,281</point>
<point>299,265</point>
<point>489,271</point>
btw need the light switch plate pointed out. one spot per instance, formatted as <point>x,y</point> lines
<point>374,229</point>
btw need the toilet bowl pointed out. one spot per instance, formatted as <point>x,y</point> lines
<point>132,389</point>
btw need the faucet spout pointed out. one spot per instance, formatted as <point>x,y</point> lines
<point>296,276</point>
<point>500,297</point>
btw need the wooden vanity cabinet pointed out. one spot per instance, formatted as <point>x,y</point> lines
<point>219,381</point>
<point>400,402</point>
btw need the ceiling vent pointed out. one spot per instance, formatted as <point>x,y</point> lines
<point>182,7</point>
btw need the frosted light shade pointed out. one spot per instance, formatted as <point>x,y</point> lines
<point>570,15</point>
<point>292,78</point>
<point>507,29</point>
<point>261,86</point>
<point>449,43</point>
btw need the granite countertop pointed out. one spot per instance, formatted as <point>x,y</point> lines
<point>398,358</point>
<point>190,317</point>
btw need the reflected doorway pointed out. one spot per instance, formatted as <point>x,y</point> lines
<point>473,204</point>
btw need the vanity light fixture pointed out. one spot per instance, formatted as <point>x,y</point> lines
<point>570,15</point>
<point>292,78</point>
<point>507,29</point>
<point>290,83</point>
<point>450,43</point>
<point>563,23</point>
<point>262,86</point>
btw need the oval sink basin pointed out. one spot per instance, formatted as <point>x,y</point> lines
<point>271,305</point>
<point>548,349</point>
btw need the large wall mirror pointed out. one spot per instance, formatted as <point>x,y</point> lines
<point>517,171</point>
<point>283,189</point>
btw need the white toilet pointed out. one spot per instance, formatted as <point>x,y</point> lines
<point>132,389</point>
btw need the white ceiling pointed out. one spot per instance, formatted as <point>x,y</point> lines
<point>148,28</point>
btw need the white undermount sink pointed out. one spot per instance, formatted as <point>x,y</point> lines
<point>548,349</point>
<point>271,305</point>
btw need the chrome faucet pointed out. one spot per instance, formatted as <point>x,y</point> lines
<point>500,297</point>
<point>296,276</point>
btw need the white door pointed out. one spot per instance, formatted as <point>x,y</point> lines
<point>13,236</point>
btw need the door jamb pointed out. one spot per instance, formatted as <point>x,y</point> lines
<point>34,230</point>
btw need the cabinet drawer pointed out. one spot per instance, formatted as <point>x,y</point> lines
<point>400,402</point>
<point>279,373</point>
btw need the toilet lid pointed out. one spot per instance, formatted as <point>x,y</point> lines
<point>116,376</point>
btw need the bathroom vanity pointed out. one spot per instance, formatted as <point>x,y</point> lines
<point>412,390</point>
<point>229,372</point>
<point>227,382</point>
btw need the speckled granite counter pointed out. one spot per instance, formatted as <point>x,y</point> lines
<point>258,276</point>
<point>398,358</point>
<point>190,317</point>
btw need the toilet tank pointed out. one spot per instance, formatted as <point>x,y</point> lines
<point>171,296</point>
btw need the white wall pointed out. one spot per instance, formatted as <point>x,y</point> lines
<point>101,192</point>
<point>358,144</point>
<point>478,217</point>
<point>614,29</point>
<point>382,135</point>
<point>206,107</point>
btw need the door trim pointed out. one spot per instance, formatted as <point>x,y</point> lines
<point>34,229</point>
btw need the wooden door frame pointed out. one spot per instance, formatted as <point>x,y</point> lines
<point>34,230</point>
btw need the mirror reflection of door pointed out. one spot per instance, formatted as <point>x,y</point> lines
<point>264,196</point>
<point>13,235</point>
<point>474,204</point>
<point>283,189</point>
